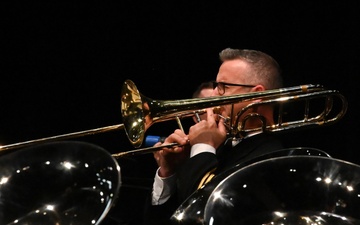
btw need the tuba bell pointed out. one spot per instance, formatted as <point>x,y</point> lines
<point>58,183</point>
<point>287,187</point>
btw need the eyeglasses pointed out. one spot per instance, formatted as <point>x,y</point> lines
<point>221,86</point>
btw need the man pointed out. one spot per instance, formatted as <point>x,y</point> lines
<point>207,147</point>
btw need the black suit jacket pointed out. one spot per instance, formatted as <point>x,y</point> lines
<point>191,173</point>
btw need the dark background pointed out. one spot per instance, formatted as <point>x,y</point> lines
<point>63,63</point>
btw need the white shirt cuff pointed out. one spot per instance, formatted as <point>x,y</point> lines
<point>199,148</point>
<point>163,188</point>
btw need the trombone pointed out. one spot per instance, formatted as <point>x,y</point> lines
<point>140,112</point>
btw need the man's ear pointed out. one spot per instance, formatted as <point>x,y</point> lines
<point>258,87</point>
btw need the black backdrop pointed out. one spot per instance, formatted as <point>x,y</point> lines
<point>63,63</point>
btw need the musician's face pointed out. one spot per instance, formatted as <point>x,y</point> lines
<point>235,72</point>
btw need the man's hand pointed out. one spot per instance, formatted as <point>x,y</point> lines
<point>168,159</point>
<point>211,131</point>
